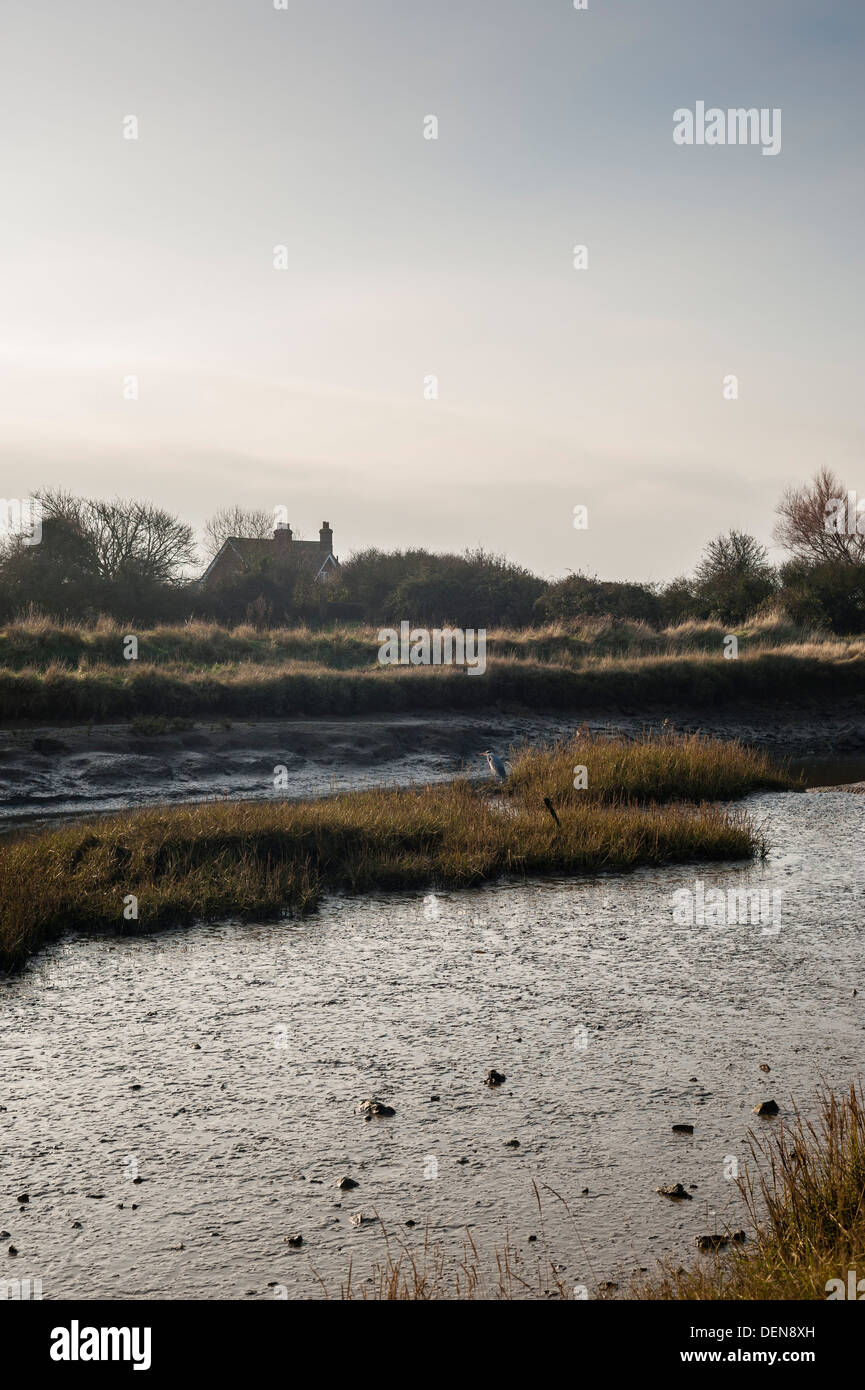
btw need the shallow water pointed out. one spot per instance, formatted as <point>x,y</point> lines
<point>241,1143</point>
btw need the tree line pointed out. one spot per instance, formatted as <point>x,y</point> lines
<point>134,561</point>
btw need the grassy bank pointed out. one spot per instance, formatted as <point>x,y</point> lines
<point>822,673</point>
<point>806,1204</point>
<point>38,642</point>
<point>256,860</point>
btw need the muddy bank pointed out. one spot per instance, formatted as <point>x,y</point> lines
<point>51,772</point>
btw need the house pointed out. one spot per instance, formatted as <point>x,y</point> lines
<point>239,555</point>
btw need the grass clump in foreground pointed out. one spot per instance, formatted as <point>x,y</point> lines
<point>806,1204</point>
<point>273,858</point>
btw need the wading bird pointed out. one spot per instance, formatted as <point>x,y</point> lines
<point>497,767</point>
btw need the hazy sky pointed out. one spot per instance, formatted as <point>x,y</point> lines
<point>407,257</point>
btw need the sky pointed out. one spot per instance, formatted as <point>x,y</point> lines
<point>408,258</point>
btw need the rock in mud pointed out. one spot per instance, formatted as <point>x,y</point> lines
<point>362,1218</point>
<point>764,1066</point>
<point>494,1078</point>
<point>767,1107</point>
<point>710,1242</point>
<point>371,1107</point>
<point>683,1129</point>
<point>676,1191</point>
<point>345,1184</point>
<point>295,1240</point>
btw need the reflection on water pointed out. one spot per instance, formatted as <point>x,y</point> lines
<point>222,1066</point>
<point>830,772</point>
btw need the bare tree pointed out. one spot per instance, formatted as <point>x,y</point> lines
<point>124,538</point>
<point>814,523</point>
<point>252,522</point>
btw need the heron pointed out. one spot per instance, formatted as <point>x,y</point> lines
<point>497,767</point>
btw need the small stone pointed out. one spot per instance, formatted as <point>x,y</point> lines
<point>76,1225</point>
<point>409,1223</point>
<point>345,1184</point>
<point>371,1107</point>
<point>692,1078</point>
<point>435,1097</point>
<point>739,1237</point>
<point>494,1078</point>
<point>12,1250</point>
<point>683,1129</point>
<point>462,1160</point>
<point>296,1241</point>
<point>362,1218</point>
<point>135,1086</point>
<point>532,1239</point>
<point>138,1180</point>
<point>676,1191</point>
<point>764,1066</point>
<point>585,1192</point>
<point>766,1107</point>
<point>607,1287</point>
<point>25,1197</point>
<point>196,1047</point>
<point>710,1242</point>
<point>512,1143</point>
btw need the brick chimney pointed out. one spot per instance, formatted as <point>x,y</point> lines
<point>282,537</point>
<point>325,538</point>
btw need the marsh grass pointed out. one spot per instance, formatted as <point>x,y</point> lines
<point>653,767</point>
<point>819,672</point>
<point>266,859</point>
<point>36,640</point>
<point>805,1200</point>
